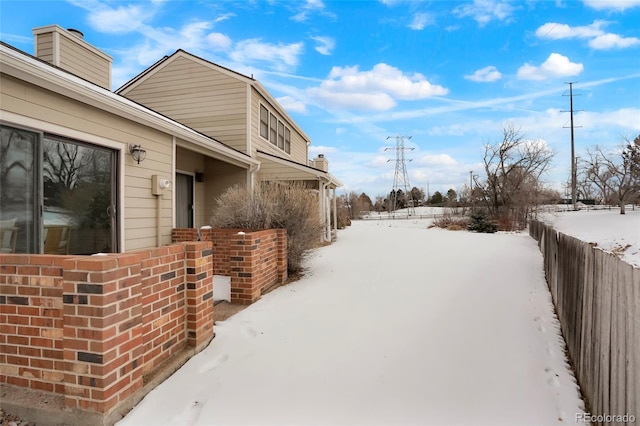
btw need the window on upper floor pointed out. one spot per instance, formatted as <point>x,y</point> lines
<point>273,134</point>
<point>274,130</point>
<point>264,122</point>
<point>280,135</point>
<point>287,140</point>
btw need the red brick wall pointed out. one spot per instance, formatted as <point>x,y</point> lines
<point>31,322</point>
<point>163,304</point>
<point>91,327</point>
<point>254,260</point>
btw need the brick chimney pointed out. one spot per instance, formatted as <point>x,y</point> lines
<point>321,163</point>
<point>68,50</point>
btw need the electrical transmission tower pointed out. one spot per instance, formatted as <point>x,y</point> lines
<point>400,178</point>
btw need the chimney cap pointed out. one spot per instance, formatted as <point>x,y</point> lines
<point>75,32</point>
<point>320,155</point>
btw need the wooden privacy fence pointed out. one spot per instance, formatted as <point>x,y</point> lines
<point>597,299</point>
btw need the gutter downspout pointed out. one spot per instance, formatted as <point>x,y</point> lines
<point>335,213</point>
<point>253,171</point>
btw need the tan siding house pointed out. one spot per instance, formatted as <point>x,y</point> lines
<point>239,111</point>
<point>82,169</point>
<point>69,182</point>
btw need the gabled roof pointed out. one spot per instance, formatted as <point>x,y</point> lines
<point>24,66</point>
<point>250,81</point>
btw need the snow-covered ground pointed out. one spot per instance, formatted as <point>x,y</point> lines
<point>610,230</point>
<point>394,324</point>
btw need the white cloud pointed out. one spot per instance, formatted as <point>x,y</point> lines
<point>291,104</point>
<point>218,41</point>
<point>485,75</point>
<point>280,56</point>
<point>555,66</point>
<point>598,39</point>
<point>306,8</point>
<point>120,20</point>
<point>616,5</point>
<point>556,31</point>
<point>325,44</point>
<point>485,11</point>
<point>421,20</point>
<point>321,149</point>
<point>376,89</point>
<point>443,160</point>
<point>624,118</point>
<point>609,41</point>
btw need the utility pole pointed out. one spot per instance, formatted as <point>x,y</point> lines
<point>574,166</point>
<point>400,178</point>
<point>471,187</point>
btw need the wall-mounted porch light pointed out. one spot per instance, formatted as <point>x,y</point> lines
<point>137,153</point>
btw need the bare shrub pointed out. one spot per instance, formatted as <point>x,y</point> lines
<point>272,206</point>
<point>447,221</point>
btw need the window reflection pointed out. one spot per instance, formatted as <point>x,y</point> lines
<point>17,190</point>
<point>77,182</point>
<point>56,195</point>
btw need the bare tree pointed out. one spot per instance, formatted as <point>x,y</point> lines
<point>514,167</point>
<point>615,172</point>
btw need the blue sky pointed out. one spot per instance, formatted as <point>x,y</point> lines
<point>450,74</point>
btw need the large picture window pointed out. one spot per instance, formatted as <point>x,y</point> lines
<point>58,194</point>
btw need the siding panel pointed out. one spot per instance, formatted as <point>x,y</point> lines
<point>198,96</point>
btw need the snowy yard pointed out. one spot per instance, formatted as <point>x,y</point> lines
<point>610,230</point>
<point>393,324</point>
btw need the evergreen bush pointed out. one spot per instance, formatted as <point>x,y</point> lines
<point>480,223</point>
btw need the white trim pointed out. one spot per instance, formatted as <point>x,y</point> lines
<point>249,121</point>
<point>174,150</point>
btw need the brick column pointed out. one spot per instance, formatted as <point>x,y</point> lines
<point>282,260</point>
<point>102,343</point>
<point>199,276</point>
<point>243,264</point>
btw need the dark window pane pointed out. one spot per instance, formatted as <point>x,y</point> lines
<point>18,191</point>
<point>78,197</point>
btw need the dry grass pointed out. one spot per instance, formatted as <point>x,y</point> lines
<point>450,222</point>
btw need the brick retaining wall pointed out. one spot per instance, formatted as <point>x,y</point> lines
<point>255,260</point>
<point>94,328</point>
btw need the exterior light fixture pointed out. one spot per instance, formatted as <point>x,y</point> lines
<point>137,153</point>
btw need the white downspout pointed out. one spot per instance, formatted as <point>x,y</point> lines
<point>335,212</point>
<point>253,172</point>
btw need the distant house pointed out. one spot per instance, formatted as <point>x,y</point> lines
<point>85,170</point>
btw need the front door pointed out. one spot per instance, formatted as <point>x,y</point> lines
<point>184,200</point>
